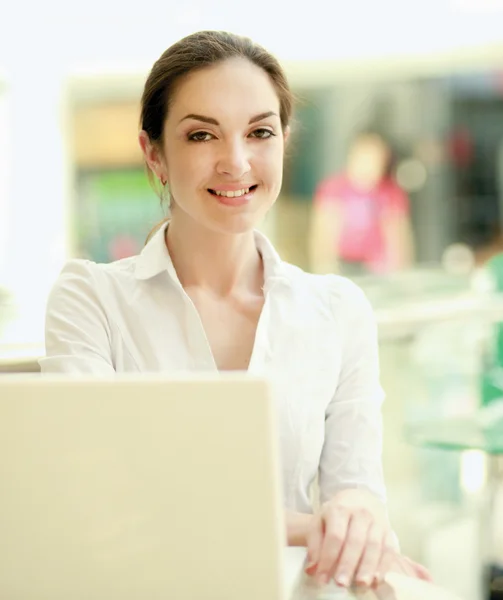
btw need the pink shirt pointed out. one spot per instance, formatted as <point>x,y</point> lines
<point>361,238</point>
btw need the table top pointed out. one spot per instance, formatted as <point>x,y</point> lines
<point>397,587</point>
<point>20,357</point>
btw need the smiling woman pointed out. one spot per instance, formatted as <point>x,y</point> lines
<point>209,292</point>
<point>221,142</point>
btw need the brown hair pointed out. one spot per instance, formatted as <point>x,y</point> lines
<point>195,52</point>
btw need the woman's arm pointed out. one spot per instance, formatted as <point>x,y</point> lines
<point>352,451</point>
<point>297,527</point>
<point>351,532</point>
<point>77,330</point>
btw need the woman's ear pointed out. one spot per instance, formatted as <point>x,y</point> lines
<point>153,156</point>
<point>286,134</point>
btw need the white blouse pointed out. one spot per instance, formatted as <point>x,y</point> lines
<point>316,342</point>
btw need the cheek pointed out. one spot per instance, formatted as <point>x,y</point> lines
<point>269,164</point>
<point>183,167</point>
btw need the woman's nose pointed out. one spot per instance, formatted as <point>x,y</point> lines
<point>234,159</point>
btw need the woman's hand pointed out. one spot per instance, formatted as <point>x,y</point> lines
<point>350,540</point>
<point>398,563</point>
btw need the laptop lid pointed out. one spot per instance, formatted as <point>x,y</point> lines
<point>139,487</point>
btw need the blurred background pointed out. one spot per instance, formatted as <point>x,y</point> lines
<point>399,113</point>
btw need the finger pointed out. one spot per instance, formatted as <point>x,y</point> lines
<point>405,567</point>
<point>388,557</point>
<point>336,523</point>
<point>419,571</point>
<point>314,542</point>
<point>310,569</point>
<point>396,564</point>
<point>353,550</point>
<point>424,574</point>
<point>371,558</point>
<point>384,567</point>
<point>384,592</point>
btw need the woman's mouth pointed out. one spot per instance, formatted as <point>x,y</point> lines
<point>234,197</point>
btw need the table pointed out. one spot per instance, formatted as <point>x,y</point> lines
<point>459,433</point>
<point>398,587</point>
<point>21,358</point>
<point>475,432</point>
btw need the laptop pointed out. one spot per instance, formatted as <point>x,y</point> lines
<point>139,488</point>
<point>144,488</point>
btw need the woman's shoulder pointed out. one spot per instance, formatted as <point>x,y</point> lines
<point>339,293</point>
<point>86,269</point>
<point>334,305</point>
<point>83,277</point>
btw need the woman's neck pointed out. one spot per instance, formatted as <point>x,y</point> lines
<point>217,262</point>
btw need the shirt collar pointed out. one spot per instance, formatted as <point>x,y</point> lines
<point>155,258</point>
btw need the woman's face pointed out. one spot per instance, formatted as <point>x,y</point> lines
<point>223,147</point>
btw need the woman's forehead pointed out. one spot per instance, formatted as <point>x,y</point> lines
<point>232,88</point>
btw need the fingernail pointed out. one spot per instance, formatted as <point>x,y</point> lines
<point>322,579</point>
<point>342,580</point>
<point>365,580</point>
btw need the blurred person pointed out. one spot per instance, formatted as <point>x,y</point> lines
<point>360,219</point>
<point>209,292</point>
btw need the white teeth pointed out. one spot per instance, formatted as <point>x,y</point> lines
<point>234,194</point>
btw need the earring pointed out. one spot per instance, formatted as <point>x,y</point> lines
<point>165,193</point>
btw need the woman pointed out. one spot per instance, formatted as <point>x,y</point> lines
<point>208,292</point>
<point>361,218</point>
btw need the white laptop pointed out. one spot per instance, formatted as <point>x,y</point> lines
<point>140,488</point>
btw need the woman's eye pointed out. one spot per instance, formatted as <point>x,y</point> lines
<point>262,133</point>
<point>200,136</point>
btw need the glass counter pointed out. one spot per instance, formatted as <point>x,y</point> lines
<point>435,332</point>
<point>468,433</point>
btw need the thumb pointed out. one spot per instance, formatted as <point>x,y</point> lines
<point>420,571</point>
<point>314,543</point>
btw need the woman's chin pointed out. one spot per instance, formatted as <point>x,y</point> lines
<point>237,224</point>
<point>223,219</point>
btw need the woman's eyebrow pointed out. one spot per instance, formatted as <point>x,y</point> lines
<point>202,118</point>
<point>264,115</point>
<point>213,121</point>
